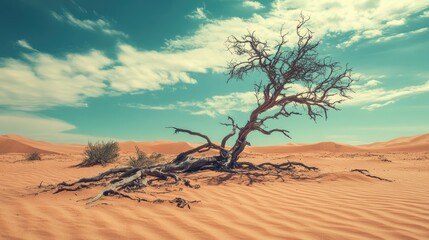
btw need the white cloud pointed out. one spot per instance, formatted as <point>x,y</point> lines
<point>149,70</point>
<point>152,107</point>
<point>401,35</point>
<point>222,105</point>
<point>370,96</point>
<point>24,44</point>
<point>199,14</point>
<point>372,33</point>
<point>359,36</point>
<point>372,83</point>
<point>41,81</point>
<point>421,30</point>
<point>213,106</point>
<point>377,105</point>
<point>90,25</point>
<point>366,95</point>
<point>425,14</point>
<point>351,41</point>
<point>362,18</point>
<point>253,4</point>
<point>41,128</point>
<point>396,22</point>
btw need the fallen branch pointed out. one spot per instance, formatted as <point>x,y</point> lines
<point>366,173</point>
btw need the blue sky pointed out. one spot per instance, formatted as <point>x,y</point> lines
<point>77,71</point>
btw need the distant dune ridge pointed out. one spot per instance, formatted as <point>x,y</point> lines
<point>20,144</point>
<point>165,147</point>
<point>412,144</point>
<point>316,147</point>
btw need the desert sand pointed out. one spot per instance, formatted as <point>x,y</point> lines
<point>333,203</point>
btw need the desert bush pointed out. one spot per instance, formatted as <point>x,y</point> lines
<point>33,156</point>
<point>144,160</point>
<point>100,153</point>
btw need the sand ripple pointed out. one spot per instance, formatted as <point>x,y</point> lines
<point>336,204</point>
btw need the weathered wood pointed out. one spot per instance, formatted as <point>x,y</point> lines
<point>115,185</point>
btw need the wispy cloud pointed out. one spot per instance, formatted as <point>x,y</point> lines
<point>377,105</point>
<point>87,24</point>
<point>253,4</point>
<point>153,107</point>
<point>425,14</point>
<point>41,128</point>
<point>396,22</point>
<point>401,35</point>
<point>370,95</point>
<point>150,70</point>
<point>360,36</point>
<point>199,13</point>
<point>213,106</point>
<point>24,44</point>
<point>326,17</point>
<point>40,80</point>
<point>372,83</point>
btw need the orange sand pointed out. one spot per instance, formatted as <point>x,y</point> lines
<point>331,204</point>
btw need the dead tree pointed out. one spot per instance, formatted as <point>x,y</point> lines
<point>295,78</point>
<point>298,81</point>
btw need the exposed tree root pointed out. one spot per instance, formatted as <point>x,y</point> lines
<point>120,182</point>
<point>366,173</point>
<point>282,166</point>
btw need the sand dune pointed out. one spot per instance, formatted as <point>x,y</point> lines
<point>14,146</point>
<point>418,143</point>
<point>424,138</point>
<point>406,144</point>
<point>318,147</point>
<point>164,147</point>
<point>331,204</point>
<point>19,144</point>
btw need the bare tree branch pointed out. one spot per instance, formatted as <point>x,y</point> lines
<point>295,78</point>
<point>269,132</point>
<point>202,148</point>
<point>178,130</point>
<point>232,133</point>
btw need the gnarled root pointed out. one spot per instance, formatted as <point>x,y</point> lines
<point>129,179</point>
<point>121,181</point>
<point>287,166</point>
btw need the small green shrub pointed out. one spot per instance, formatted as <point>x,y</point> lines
<point>33,156</point>
<point>100,153</point>
<point>144,160</point>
